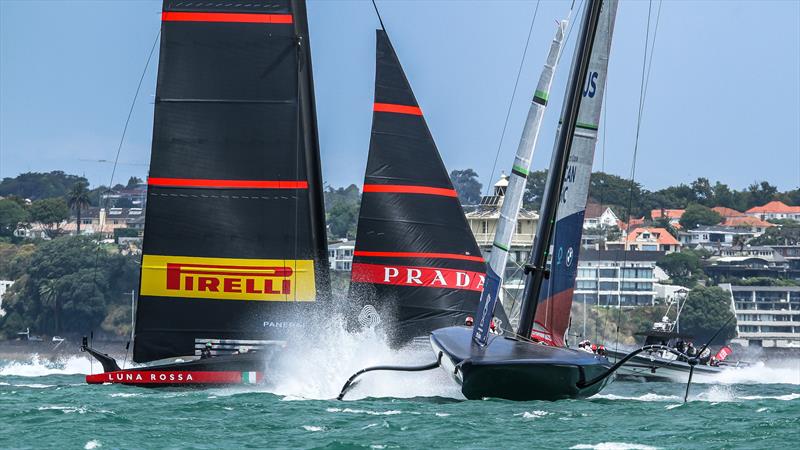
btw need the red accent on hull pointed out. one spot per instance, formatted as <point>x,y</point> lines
<point>418,255</point>
<point>404,189</point>
<point>168,16</point>
<point>240,184</point>
<point>171,377</point>
<point>399,109</point>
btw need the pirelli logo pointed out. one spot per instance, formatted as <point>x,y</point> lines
<point>276,280</point>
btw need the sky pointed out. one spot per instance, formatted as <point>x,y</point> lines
<point>723,98</point>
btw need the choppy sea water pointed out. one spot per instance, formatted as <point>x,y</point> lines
<point>45,404</point>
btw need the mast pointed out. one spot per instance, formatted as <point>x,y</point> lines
<point>308,119</point>
<point>555,302</point>
<point>536,269</point>
<point>512,200</point>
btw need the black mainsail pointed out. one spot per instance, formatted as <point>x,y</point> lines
<point>416,261</point>
<point>235,243</point>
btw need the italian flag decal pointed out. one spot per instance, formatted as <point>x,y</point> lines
<point>250,377</point>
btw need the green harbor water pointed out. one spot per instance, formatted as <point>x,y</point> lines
<point>45,404</point>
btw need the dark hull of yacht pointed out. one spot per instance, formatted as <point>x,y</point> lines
<point>516,370</point>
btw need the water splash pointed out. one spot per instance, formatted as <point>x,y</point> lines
<point>614,446</point>
<point>39,367</point>
<point>317,369</point>
<point>786,372</point>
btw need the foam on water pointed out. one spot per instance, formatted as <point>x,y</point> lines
<point>614,446</point>
<point>787,373</point>
<point>319,369</point>
<point>39,367</point>
<point>94,443</point>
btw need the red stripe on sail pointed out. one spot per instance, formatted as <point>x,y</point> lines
<point>418,255</point>
<point>416,276</point>
<point>242,184</point>
<point>406,189</point>
<point>400,109</point>
<point>168,16</point>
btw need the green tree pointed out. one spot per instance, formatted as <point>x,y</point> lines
<point>706,311</point>
<point>78,199</point>
<point>663,222</point>
<point>50,212</point>
<point>35,185</point>
<point>703,192</point>
<point>341,206</point>
<point>11,216</point>
<point>788,233</point>
<point>133,182</point>
<point>534,190</point>
<point>342,220</point>
<point>674,197</point>
<point>70,285</point>
<point>696,215</point>
<point>466,184</point>
<point>724,196</point>
<point>761,193</point>
<point>684,268</point>
<point>48,294</point>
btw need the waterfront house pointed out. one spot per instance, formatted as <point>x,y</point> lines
<point>598,217</point>
<point>673,215</point>
<point>651,239</point>
<point>340,255</point>
<point>710,236</point>
<point>775,210</point>
<point>618,277</point>
<point>766,316</point>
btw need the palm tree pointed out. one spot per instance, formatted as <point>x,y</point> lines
<point>77,199</point>
<point>48,294</point>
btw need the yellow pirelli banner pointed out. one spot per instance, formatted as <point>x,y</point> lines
<point>277,280</point>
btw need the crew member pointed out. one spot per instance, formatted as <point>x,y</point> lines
<point>205,353</point>
<point>690,350</point>
<point>469,321</point>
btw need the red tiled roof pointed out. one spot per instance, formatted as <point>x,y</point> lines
<point>668,213</point>
<point>746,221</point>
<point>774,206</point>
<point>727,212</point>
<point>662,236</point>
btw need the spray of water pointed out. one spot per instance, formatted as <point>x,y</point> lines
<point>39,367</point>
<point>319,366</point>
<point>787,372</point>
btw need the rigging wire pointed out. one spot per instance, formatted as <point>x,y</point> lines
<point>513,94</point>
<point>642,93</point>
<point>375,5</point>
<point>122,141</point>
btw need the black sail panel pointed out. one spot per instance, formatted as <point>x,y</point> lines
<point>416,261</point>
<point>229,251</point>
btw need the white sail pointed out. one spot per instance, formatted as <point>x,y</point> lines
<point>512,200</point>
<point>552,313</point>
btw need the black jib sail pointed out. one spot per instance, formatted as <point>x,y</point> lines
<point>234,246</point>
<point>416,261</point>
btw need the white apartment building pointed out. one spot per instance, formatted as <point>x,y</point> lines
<point>766,316</point>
